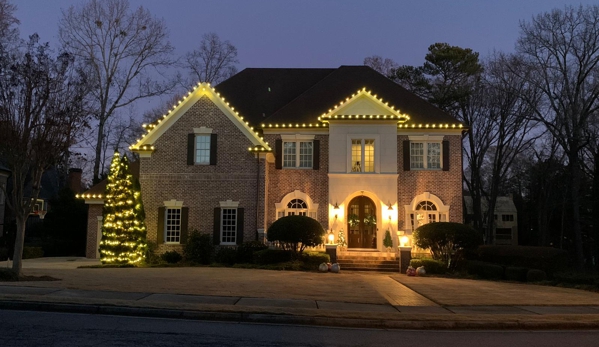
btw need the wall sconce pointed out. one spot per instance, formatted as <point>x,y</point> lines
<point>336,206</point>
<point>390,207</point>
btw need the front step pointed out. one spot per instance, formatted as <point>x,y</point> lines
<point>368,261</point>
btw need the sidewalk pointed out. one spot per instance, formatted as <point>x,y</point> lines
<point>354,299</point>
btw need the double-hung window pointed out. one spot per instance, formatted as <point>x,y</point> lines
<point>425,155</point>
<point>202,149</point>
<point>298,154</point>
<point>172,225</point>
<point>362,155</point>
<point>228,225</point>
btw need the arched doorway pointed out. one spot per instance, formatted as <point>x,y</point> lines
<point>361,223</point>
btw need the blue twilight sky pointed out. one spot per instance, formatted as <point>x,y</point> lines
<point>323,33</point>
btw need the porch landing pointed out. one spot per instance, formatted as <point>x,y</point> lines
<point>368,260</point>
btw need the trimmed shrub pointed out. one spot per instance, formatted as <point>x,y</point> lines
<point>245,251</point>
<point>271,256</point>
<point>312,259</point>
<point>171,257</point>
<point>485,270</point>
<point>433,267</point>
<point>7,275</point>
<point>584,278</point>
<point>199,248</point>
<point>516,273</point>
<point>295,233</point>
<point>226,255</point>
<point>444,238</point>
<point>547,259</point>
<point>32,252</point>
<point>535,275</point>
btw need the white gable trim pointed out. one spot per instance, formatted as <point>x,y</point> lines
<point>334,112</point>
<point>203,89</point>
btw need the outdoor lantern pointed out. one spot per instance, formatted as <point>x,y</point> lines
<point>331,237</point>
<point>404,241</point>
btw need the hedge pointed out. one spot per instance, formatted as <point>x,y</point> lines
<point>485,270</point>
<point>535,275</point>
<point>516,273</point>
<point>271,256</point>
<point>435,267</point>
<point>547,259</point>
<point>312,259</point>
<point>245,251</point>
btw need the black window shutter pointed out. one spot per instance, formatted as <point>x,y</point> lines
<point>278,154</point>
<point>406,155</point>
<point>191,142</point>
<point>212,149</point>
<point>216,230</point>
<point>160,226</point>
<point>445,155</point>
<point>239,234</point>
<point>316,154</point>
<point>184,224</point>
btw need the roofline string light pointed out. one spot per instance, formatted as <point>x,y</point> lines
<point>152,126</point>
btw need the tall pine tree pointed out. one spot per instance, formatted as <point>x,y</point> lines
<point>123,231</point>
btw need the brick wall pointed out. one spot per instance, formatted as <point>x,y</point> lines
<point>167,176</point>
<point>315,183</point>
<point>93,212</point>
<point>447,185</point>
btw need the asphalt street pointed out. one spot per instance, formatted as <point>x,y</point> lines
<point>31,328</point>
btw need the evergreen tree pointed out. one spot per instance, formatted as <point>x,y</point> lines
<point>387,241</point>
<point>124,231</point>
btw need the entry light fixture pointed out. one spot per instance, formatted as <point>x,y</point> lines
<point>336,206</point>
<point>331,237</point>
<point>390,207</point>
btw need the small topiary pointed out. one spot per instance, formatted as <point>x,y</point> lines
<point>535,275</point>
<point>295,233</point>
<point>171,257</point>
<point>387,241</point>
<point>199,248</point>
<point>444,238</point>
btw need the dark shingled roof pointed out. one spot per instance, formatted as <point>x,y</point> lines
<point>302,95</point>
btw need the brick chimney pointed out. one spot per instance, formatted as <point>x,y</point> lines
<point>74,180</point>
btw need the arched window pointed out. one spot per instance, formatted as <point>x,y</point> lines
<point>296,204</point>
<point>426,208</point>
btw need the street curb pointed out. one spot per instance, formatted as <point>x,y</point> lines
<point>444,323</point>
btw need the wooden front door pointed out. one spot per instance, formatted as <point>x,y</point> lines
<point>361,223</point>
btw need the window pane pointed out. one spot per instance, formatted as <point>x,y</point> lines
<point>172,225</point>
<point>203,149</point>
<point>416,155</point>
<point>433,156</point>
<point>305,154</point>
<point>356,155</point>
<point>228,225</point>
<point>368,155</point>
<point>289,154</point>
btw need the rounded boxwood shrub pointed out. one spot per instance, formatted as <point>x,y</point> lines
<point>171,257</point>
<point>433,267</point>
<point>513,273</point>
<point>485,270</point>
<point>271,256</point>
<point>245,251</point>
<point>535,275</point>
<point>295,233</point>
<point>444,238</point>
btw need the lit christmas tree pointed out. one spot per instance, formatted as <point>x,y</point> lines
<point>123,230</point>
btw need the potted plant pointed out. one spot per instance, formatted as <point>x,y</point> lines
<point>341,240</point>
<point>387,241</point>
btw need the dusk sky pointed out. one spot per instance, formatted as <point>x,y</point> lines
<point>323,33</point>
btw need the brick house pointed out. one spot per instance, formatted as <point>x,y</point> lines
<point>345,146</point>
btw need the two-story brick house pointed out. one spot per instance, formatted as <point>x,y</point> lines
<point>345,146</point>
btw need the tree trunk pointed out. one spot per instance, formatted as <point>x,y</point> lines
<point>574,192</point>
<point>17,263</point>
<point>98,158</point>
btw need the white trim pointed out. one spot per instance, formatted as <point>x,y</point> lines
<point>439,132</point>
<point>202,130</point>
<point>202,89</point>
<point>229,204</point>
<point>94,201</point>
<point>373,98</point>
<point>173,203</point>
<point>296,194</point>
<point>295,137</point>
<point>377,152</point>
<point>426,138</point>
<point>298,142</point>
<point>426,196</point>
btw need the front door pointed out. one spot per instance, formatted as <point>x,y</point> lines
<point>361,223</point>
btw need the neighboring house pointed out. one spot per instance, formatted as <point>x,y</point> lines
<point>346,146</point>
<point>506,219</point>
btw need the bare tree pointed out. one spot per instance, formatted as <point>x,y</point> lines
<point>561,49</point>
<point>213,61</point>
<point>122,50</point>
<point>41,108</point>
<point>8,22</point>
<point>384,66</point>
